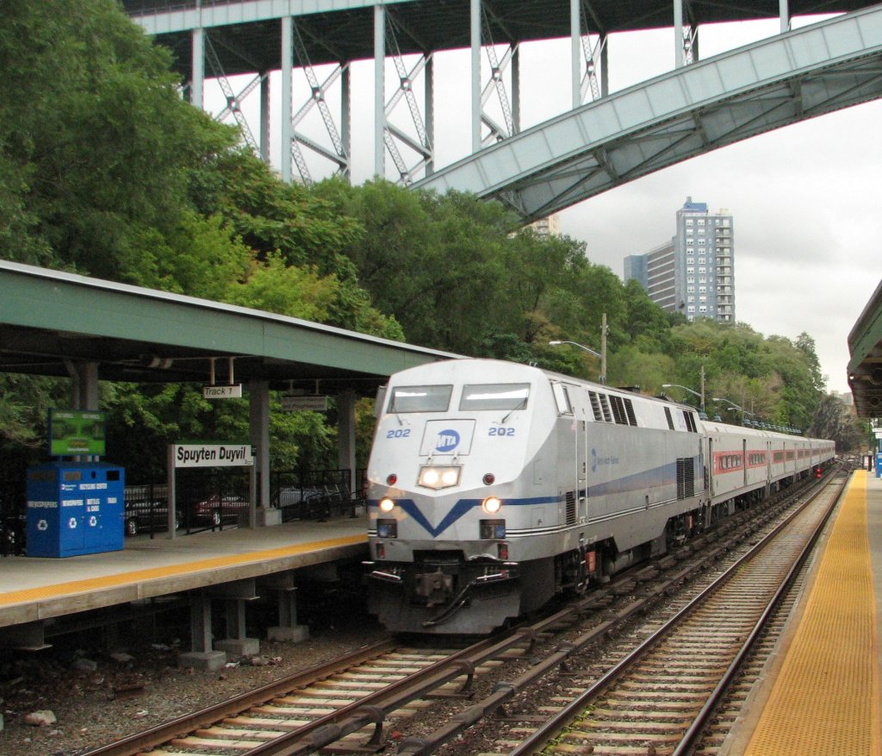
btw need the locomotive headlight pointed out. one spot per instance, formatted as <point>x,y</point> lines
<point>387,505</point>
<point>438,477</point>
<point>491,505</point>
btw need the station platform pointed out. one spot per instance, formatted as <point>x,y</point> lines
<point>821,690</point>
<point>34,590</point>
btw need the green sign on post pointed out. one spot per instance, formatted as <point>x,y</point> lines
<point>76,432</point>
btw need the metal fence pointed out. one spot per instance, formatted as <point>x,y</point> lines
<point>219,498</point>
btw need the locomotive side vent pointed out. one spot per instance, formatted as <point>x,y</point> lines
<point>685,478</point>
<point>571,508</point>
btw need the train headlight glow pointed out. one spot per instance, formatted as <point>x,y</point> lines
<point>387,505</point>
<point>491,505</point>
<point>438,477</point>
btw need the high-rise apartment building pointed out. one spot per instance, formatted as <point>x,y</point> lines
<point>693,273</point>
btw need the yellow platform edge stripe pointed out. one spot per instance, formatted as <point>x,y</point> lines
<point>825,699</point>
<point>139,576</point>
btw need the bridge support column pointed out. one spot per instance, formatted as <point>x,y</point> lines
<point>287,66</point>
<point>265,116</point>
<point>475,16</point>
<point>784,13</point>
<point>379,90</point>
<point>197,69</point>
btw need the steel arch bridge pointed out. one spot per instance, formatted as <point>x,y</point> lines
<point>685,113</point>
<point>614,138</point>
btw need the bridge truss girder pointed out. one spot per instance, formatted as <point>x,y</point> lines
<point>694,109</point>
<point>494,81</point>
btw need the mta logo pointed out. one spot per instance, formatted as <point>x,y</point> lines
<point>447,441</point>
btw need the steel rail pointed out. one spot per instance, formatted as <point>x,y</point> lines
<point>537,740</point>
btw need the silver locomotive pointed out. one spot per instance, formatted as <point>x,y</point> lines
<point>495,485</point>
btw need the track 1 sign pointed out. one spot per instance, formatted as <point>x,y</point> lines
<point>222,392</point>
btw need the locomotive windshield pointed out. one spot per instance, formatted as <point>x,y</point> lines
<point>420,398</point>
<point>494,396</point>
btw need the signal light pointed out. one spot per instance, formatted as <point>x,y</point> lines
<point>489,479</point>
<point>391,479</point>
<point>491,505</point>
<point>387,505</point>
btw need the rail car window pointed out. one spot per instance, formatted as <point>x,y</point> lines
<point>669,418</point>
<point>494,396</point>
<point>420,398</point>
<point>690,422</point>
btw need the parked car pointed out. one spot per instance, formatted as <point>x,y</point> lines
<point>218,509</point>
<point>13,529</point>
<point>147,515</point>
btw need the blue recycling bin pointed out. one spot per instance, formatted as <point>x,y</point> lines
<point>74,508</point>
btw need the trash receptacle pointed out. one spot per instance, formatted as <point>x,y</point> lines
<point>74,508</point>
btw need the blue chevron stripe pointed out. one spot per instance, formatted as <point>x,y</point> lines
<point>660,476</point>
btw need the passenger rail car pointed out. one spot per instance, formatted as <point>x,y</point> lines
<point>494,485</point>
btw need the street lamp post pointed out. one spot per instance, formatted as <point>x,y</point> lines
<point>686,388</point>
<point>734,406</point>
<point>601,356</point>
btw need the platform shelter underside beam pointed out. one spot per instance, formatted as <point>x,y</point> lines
<point>695,109</point>
<point>865,365</point>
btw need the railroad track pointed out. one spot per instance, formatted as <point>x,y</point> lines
<point>323,705</point>
<point>659,697</point>
<point>348,706</point>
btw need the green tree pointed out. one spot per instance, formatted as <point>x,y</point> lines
<point>94,137</point>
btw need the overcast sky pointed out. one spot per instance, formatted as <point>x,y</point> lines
<point>806,199</point>
<point>807,206</point>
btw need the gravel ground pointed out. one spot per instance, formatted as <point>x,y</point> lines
<point>98,697</point>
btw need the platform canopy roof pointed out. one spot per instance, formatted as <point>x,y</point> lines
<point>865,366</point>
<point>50,321</point>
